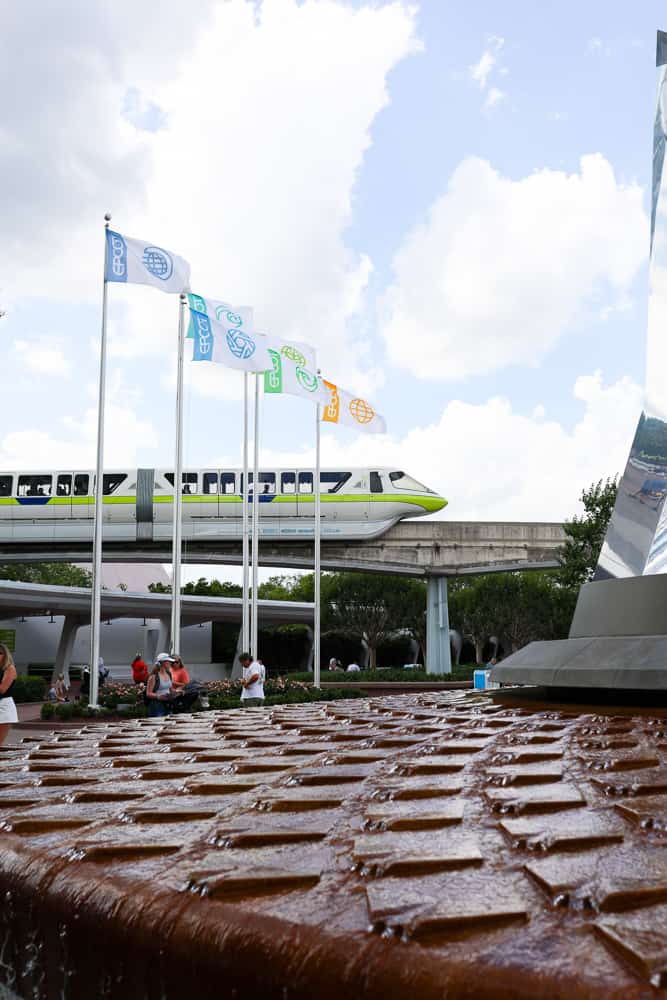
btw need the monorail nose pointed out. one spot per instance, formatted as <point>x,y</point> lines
<point>432,504</point>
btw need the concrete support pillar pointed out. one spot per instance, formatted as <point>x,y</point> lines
<point>71,626</point>
<point>311,652</point>
<point>237,669</point>
<point>162,637</point>
<point>438,653</point>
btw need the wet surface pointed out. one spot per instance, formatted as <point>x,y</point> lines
<point>417,845</point>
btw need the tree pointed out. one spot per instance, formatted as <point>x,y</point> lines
<point>585,535</point>
<point>212,588</point>
<point>287,588</point>
<point>53,574</point>
<point>370,606</point>
<point>414,612</point>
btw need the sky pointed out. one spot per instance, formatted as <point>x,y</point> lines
<point>447,199</point>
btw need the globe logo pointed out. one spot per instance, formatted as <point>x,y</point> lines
<point>292,354</point>
<point>158,262</point>
<point>306,380</point>
<point>222,313</point>
<point>362,411</point>
<point>241,346</point>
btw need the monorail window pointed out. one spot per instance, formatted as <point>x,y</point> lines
<point>5,486</point>
<point>81,484</point>
<point>400,481</point>
<point>331,482</point>
<point>64,486</point>
<point>35,486</point>
<point>210,483</point>
<point>267,483</point>
<point>376,483</point>
<point>189,481</point>
<point>305,482</point>
<point>227,482</point>
<point>111,482</point>
<point>266,480</point>
<point>288,482</point>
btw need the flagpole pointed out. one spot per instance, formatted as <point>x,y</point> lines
<point>245,616</point>
<point>255,523</point>
<point>96,582</point>
<point>316,595</point>
<point>178,489</point>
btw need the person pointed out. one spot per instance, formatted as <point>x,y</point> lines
<point>139,670</point>
<point>103,672</point>
<point>333,663</point>
<point>158,688</point>
<point>252,682</point>
<point>60,689</point>
<point>179,674</point>
<point>8,713</point>
<point>352,667</point>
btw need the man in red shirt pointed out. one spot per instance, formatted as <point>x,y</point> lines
<point>139,670</point>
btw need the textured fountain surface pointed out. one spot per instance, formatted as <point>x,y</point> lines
<point>418,846</point>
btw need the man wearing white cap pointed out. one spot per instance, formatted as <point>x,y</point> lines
<point>158,688</point>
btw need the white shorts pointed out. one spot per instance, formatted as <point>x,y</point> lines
<point>7,711</point>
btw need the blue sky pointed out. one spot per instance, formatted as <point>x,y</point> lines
<point>384,180</point>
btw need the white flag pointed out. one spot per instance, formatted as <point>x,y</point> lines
<point>294,371</point>
<point>344,408</point>
<point>141,263</point>
<point>239,317</point>
<point>227,343</point>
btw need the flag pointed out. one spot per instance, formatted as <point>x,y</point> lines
<point>227,343</point>
<point>238,317</point>
<point>345,408</point>
<point>142,263</point>
<point>294,371</point>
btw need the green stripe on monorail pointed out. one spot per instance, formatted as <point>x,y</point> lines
<point>429,503</point>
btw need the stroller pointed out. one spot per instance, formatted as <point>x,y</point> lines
<point>192,692</point>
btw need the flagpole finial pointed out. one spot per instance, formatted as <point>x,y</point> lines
<point>107,220</point>
<point>183,297</point>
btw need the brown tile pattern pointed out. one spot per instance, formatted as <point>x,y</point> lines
<point>470,845</point>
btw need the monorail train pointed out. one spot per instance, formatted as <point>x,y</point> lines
<point>355,503</point>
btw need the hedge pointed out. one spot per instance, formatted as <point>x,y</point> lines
<point>463,672</point>
<point>28,689</point>
<point>67,711</point>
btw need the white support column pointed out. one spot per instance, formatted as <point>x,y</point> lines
<point>71,626</point>
<point>438,654</point>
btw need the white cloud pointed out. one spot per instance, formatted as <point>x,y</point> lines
<point>501,269</point>
<point>43,358</point>
<point>263,114</point>
<point>479,71</point>
<point>494,97</point>
<point>500,464</point>
<point>66,153</point>
<point>488,63</point>
<point>71,442</point>
<point>269,121</point>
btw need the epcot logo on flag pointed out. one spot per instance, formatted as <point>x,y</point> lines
<point>241,346</point>
<point>222,314</point>
<point>362,411</point>
<point>158,262</point>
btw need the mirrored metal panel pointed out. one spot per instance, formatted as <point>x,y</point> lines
<point>636,541</point>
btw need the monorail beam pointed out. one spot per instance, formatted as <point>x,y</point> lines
<point>423,548</point>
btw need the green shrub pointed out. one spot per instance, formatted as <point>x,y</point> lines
<point>48,710</point>
<point>461,673</point>
<point>28,689</point>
